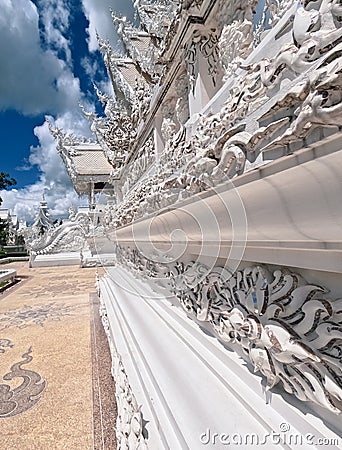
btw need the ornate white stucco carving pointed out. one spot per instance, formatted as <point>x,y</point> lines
<point>156,17</point>
<point>236,39</point>
<point>141,46</point>
<point>138,167</point>
<point>277,9</point>
<point>116,132</point>
<point>45,237</point>
<point>188,4</point>
<point>235,44</point>
<point>182,104</point>
<point>259,114</point>
<point>142,99</point>
<point>123,90</point>
<point>288,329</point>
<point>205,44</point>
<point>236,10</point>
<point>170,123</point>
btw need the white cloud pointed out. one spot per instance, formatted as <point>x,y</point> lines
<point>97,12</point>
<point>36,77</point>
<point>54,182</point>
<point>90,66</point>
<point>25,202</point>
<point>55,15</point>
<point>34,80</point>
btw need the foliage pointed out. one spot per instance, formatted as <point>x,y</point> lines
<point>5,182</point>
<point>3,232</point>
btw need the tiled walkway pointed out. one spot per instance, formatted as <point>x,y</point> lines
<point>56,391</point>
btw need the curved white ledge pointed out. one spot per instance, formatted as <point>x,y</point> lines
<point>289,217</point>
<point>188,384</point>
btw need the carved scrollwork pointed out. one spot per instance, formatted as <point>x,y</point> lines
<point>137,168</point>
<point>207,45</point>
<point>44,237</point>
<point>288,329</point>
<point>235,44</point>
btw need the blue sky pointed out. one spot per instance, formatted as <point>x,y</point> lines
<point>49,60</point>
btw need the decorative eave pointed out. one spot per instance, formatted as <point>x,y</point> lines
<point>194,16</point>
<point>84,161</point>
<point>140,46</point>
<point>128,72</point>
<point>156,17</point>
<point>87,167</point>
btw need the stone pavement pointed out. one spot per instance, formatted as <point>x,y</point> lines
<point>56,391</point>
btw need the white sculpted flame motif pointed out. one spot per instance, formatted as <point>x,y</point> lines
<point>289,331</point>
<point>286,327</point>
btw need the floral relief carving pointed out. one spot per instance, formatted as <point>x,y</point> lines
<point>287,328</point>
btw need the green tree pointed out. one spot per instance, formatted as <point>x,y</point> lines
<point>5,182</point>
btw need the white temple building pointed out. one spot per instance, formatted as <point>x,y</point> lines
<point>220,156</point>
<point>11,224</point>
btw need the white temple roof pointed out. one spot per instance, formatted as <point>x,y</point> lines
<point>90,161</point>
<point>129,71</point>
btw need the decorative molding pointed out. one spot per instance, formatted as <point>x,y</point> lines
<point>285,327</point>
<point>130,432</point>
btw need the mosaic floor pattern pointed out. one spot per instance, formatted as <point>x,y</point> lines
<point>56,391</point>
